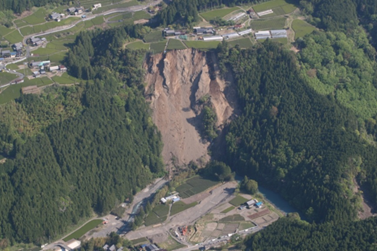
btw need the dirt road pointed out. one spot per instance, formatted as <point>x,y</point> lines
<point>219,195</point>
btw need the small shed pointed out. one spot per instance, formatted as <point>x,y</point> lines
<point>259,204</point>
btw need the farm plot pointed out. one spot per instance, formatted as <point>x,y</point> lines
<point>210,15</point>
<point>244,43</point>
<point>158,47</point>
<point>279,7</point>
<point>270,24</point>
<point>83,230</point>
<point>153,36</point>
<point>36,18</point>
<point>175,44</point>
<point>13,37</point>
<point>227,210</point>
<point>238,200</point>
<point>6,77</point>
<point>138,45</point>
<point>204,45</point>
<point>14,91</point>
<point>180,206</point>
<point>194,186</point>
<point>4,30</point>
<point>65,79</point>
<point>158,215</point>
<point>115,6</point>
<point>301,28</point>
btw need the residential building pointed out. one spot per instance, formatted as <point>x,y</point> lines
<point>5,53</point>
<point>112,248</point>
<point>79,11</point>
<point>55,16</point>
<point>62,68</point>
<point>17,46</point>
<point>71,10</point>
<point>13,54</point>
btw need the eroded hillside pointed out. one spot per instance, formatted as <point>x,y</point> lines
<point>177,83</point>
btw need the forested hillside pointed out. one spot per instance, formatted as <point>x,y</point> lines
<point>293,139</point>
<point>292,234</point>
<point>75,150</point>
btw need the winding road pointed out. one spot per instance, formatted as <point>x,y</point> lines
<point>67,27</point>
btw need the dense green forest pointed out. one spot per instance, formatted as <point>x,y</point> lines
<point>293,234</point>
<point>76,149</point>
<point>293,139</point>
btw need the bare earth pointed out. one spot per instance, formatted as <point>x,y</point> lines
<point>175,82</point>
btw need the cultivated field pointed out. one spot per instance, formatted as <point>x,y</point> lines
<point>238,200</point>
<point>210,15</point>
<point>83,230</point>
<point>279,7</point>
<point>158,47</point>
<point>37,17</point>
<point>158,215</point>
<point>244,43</point>
<point>269,24</point>
<point>13,37</point>
<point>194,186</point>
<point>114,6</point>
<point>175,44</point>
<point>6,77</point>
<point>65,79</point>
<point>301,28</point>
<point>205,45</point>
<point>180,206</point>
<point>138,45</point>
<point>153,36</point>
<point>170,244</point>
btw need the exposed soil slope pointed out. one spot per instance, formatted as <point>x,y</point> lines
<point>175,83</point>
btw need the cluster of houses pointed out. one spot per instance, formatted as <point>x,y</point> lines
<point>249,204</point>
<point>7,54</point>
<point>45,65</point>
<point>75,10</point>
<point>174,198</point>
<point>36,41</point>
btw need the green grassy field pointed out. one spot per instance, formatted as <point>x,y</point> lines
<point>279,7</point>
<point>36,18</point>
<point>119,16</point>
<point>158,47</point>
<point>138,45</point>
<point>194,186</point>
<point>89,3</point>
<point>238,200</point>
<point>205,45</point>
<point>12,67</point>
<point>83,230</point>
<point>4,30</point>
<point>230,218</point>
<point>301,28</point>
<point>140,15</point>
<point>180,206</point>
<point>6,77</point>
<point>65,79</point>
<point>175,44</point>
<point>270,24</point>
<point>243,43</point>
<point>158,215</point>
<point>210,15</point>
<point>14,91</point>
<point>117,5</point>
<point>282,40</point>
<point>14,37</point>
<point>227,210</point>
<point>153,36</point>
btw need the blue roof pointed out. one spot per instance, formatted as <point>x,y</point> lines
<point>1,59</point>
<point>259,203</point>
<point>13,53</point>
<point>176,199</point>
<point>144,245</point>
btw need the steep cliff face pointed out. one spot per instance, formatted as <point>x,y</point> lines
<point>176,81</point>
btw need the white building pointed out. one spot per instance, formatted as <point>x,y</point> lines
<point>54,68</point>
<point>262,35</point>
<point>213,38</point>
<point>245,32</point>
<point>73,244</point>
<point>264,13</point>
<point>231,35</point>
<point>238,16</point>
<point>96,6</point>
<point>278,33</point>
